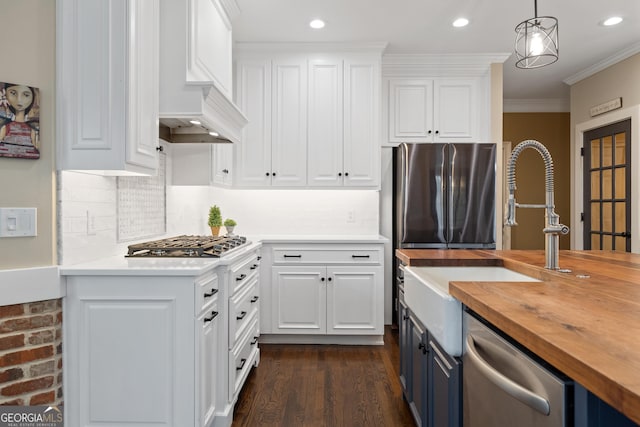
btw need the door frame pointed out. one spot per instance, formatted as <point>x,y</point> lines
<point>577,187</point>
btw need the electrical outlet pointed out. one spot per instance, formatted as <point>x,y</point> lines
<point>351,217</point>
<point>91,224</point>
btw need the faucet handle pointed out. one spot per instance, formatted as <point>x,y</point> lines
<point>556,229</point>
<point>510,219</point>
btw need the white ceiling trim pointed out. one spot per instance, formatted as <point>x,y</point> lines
<point>310,47</point>
<point>555,105</point>
<point>436,65</point>
<point>605,63</point>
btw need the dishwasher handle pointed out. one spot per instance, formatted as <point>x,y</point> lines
<point>510,387</point>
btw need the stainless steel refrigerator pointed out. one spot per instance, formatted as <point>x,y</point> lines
<point>444,197</point>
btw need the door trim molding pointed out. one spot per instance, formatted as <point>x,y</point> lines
<point>577,188</point>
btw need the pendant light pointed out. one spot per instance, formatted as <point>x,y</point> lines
<point>537,41</point>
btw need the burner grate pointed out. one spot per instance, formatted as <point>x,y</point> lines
<point>186,246</point>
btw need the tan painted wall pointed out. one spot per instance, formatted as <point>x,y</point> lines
<point>496,138</point>
<point>619,80</point>
<point>552,130</point>
<point>28,56</point>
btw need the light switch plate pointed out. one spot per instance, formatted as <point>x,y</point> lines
<point>17,222</point>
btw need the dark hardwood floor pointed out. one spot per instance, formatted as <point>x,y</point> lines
<point>325,385</point>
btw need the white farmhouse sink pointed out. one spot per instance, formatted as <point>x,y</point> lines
<point>426,291</point>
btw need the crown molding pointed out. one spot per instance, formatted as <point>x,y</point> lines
<point>550,105</point>
<point>310,47</point>
<point>413,65</point>
<point>231,8</point>
<point>605,63</point>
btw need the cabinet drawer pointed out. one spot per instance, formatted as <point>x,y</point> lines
<point>242,308</point>
<point>206,290</point>
<point>336,255</point>
<point>242,272</point>
<point>242,357</point>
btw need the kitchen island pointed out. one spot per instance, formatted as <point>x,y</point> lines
<point>585,323</point>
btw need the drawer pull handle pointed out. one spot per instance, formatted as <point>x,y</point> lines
<point>293,256</point>
<point>241,277</point>
<point>213,316</point>
<point>242,362</point>
<point>210,294</point>
<point>253,267</point>
<point>255,341</point>
<point>254,299</point>
<point>359,256</point>
<point>242,315</point>
<point>259,258</point>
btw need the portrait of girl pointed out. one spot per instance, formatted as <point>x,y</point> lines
<point>19,121</point>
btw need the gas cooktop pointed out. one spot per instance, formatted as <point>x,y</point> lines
<point>187,246</point>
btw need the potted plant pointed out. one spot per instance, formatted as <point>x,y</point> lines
<point>215,220</point>
<point>229,224</point>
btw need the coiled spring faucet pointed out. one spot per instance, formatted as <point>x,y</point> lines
<point>552,228</point>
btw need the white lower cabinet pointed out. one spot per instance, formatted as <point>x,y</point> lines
<point>141,350</point>
<point>326,300</point>
<point>318,290</point>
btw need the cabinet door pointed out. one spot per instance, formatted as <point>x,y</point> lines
<point>299,300</point>
<point>289,108</point>
<point>419,373</point>
<point>325,122</point>
<point>108,70</point>
<point>143,94</point>
<point>207,325</point>
<point>404,331</point>
<point>361,123</point>
<point>410,110</point>
<point>354,300</point>
<point>222,171</point>
<point>456,110</point>
<point>253,96</point>
<point>445,392</point>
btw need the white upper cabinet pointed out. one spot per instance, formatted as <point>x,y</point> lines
<point>314,118</point>
<point>344,121</point>
<point>434,110</point>
<point>222,172</point>
<point>273,96</point>
<point>107,84</point>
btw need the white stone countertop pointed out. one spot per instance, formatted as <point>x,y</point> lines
<point>123,266</point>
<point>294,238</point>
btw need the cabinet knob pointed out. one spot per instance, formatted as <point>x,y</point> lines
<point>330,279</point>
<point>254,299</point>
<point>437,132</point>
<point>273,174</point>
<point>267,174</point>
<point>429,132</point>
<point>225,170</point>
<point>405,317</point>
<point>242,315</point>
<point>346,174</point>
<point>160,148</point>
<point>322,279</point>
<point>339,173</point>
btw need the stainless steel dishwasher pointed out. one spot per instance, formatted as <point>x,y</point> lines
<point>503,386</point>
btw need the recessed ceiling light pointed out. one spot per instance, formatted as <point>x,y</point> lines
<point>212,133</point>
<point>195,122</point>
<point>614,20</point>
<point>461,22</point>
<point>316,24</point>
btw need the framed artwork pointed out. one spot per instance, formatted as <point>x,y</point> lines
<point>19,121</point>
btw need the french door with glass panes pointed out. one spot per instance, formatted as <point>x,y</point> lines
<point>607,187</point>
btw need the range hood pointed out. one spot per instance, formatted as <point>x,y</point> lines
<point>195,102</point>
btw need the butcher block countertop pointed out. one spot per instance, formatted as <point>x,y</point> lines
<point>585,323</point>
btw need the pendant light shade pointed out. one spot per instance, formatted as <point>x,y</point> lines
<point>537,41</point>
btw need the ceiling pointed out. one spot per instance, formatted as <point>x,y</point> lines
<point>424,26</point>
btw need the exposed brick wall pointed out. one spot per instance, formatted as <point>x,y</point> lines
<point>31,353</point>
